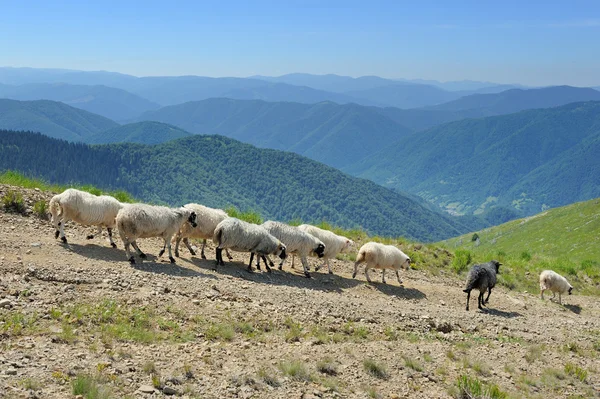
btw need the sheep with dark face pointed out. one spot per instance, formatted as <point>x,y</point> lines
<point>550,280</point>
<point>296,241</point>
<point>241,236</point>
<point>334,244</point>
<point>144,221</point>
<point>482,277</point>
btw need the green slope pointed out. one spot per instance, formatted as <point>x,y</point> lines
<point>140,132</point>
<point>470,165</point>
<point>566,240</point>
<point>219,171</point>
<point>337,135</point>
<point>52,118</point>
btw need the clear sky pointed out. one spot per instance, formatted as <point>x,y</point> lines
<point>528,41</point>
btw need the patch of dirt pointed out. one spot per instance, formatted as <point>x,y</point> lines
<point>232,334</point>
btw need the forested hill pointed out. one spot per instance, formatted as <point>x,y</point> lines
<point>337,135</point>
<point>529,161</point>
<point>55,119</point>
<point>140,132</point>
<point>218,171</point>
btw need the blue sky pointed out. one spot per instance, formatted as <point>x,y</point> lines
<point>528,42</point>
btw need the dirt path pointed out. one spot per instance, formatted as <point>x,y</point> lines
<point>81,310</point>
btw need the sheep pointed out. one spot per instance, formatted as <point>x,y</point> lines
<point>334,244</point>
<point>296,242</point>
<point>208,219</point>
<point>380,256</point>
<point>482,277</point>
<point>242,236</point>
<point>143,221</point>
<point>550,280</point>
<point>86,209</point>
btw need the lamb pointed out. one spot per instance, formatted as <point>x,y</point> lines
<point>242,236</point>
<point>380,256</point>
<point>482,277</point>
<point>143,221</point>
<point>86,209</point>
<point>334,244</point>
<point>296,242</point>
<point>208,219</point>
<point>550,280</point>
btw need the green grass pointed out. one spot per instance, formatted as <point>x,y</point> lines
<point>375,369</point>
<point>576,371</point>
<point>268,377</point>
<point>89,387</point>
<point>412,363</point>
<point>295,369</point>
<point>20,180</point>
<point>249,216</point>
<point>327,366</point>
<point>471,388</point>
<point>561,239</point>
<point>220,332</point>
<point>12,201</point>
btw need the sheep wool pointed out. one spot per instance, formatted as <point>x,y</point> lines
<point>334,244</point>
<point>296,241</point>
<point>86,209</point>
<point>550,280</point>
<point>242,236</point>
<point>482,277</point>
<point>380,256</point>
<point>208,219</point>
<point>143,221</point>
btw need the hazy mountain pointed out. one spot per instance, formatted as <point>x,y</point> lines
<point>337,135</point>
<point>52,118</point>
<point>219,171</point>
<point>517,99</point>
<point>406,95</point>
<point>112,103</point>
<point>140,132</point>
<point>19,76</point>
<point>465,85</point>
<point>331,82</point>
<point>527,160</point>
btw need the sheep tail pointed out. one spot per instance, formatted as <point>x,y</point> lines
<point>217,237</point>
<point>361,257</point>
<point>54,210</point>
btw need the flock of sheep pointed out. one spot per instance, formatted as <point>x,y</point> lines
<point>271,238</point>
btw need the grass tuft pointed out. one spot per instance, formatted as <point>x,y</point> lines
<point>375,369</point>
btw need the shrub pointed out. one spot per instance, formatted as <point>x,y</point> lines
<point>13,202</point>
<point>249,216</point>
<point>462,258</point>
<point>472,388</point>
<point>526,256</point>
<point>375,369</point>
<point>40,208</point>
<point>475,237</point>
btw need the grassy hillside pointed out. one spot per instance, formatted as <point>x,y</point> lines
<point>218,171</point>
<point>470,165</point>
<point>140,132</point>
<point>566,240</point>
<point>337,135</point>
<point>515,100</point>
<point>109,102</point>
<point>53,118</point>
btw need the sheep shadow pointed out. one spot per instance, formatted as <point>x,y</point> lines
<point>151,264</point>
<point>501,313</point>
<point>320,281</point>
<point>573,308</point>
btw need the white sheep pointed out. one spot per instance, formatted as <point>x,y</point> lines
<point>334,244</point>
<point>550,280</point>
<point>242,236</point>
<point>207,219</point>
<point>296,242</point>
<point>143,221</point>
<point>380,256</point>
<point>86,209</point>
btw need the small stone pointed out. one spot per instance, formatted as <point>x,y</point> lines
<point>195,301</point>
<point>11,371</point>
<point>167,390</point>
<point>5,303</point>
<point>146,389</point>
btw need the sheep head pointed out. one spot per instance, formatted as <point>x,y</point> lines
<point>320,250</point>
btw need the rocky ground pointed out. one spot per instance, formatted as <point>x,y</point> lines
<point>78,319</point>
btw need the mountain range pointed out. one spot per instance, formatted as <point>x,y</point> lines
<point>218,171</point>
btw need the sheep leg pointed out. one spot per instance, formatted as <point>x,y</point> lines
<point>399,279</point>
<point>189,247</point>
<point>229,256</point>
<point>560,298</point>
<point>542,294</point>
<point>266,265</point>
<point>128,253</point>
<point>204,246</point>
<point>468,297</point>
<point>480,300</point>
<point>98,231</point>
<point>250,263</point>
<point>110,238</point>
<point>219,255</point>
<point>488,297</point>
<point>162,251</point>
<point>329,266</point>
<point>367,274</point>
<point>168,244</point>
<point>383,276</point>
<point>293,259</point>
<point>355,268</point>
<point>62,231</point>
<point>280,264</point>
<point>137,249</point>
<point>305,266</point>
<point>257,261</point>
